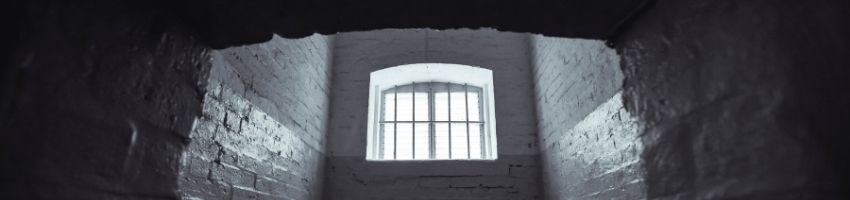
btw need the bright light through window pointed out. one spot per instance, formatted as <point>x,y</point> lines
<point>432,120</point>
<point>431,112</point>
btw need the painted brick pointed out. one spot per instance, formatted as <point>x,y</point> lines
<point>590,147</point>
<point>357,54</point>
<point>251,137</point>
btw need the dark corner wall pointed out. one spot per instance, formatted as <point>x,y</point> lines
<point>124,101</point>
<point>98,107</point>
<point>720,100</point>
<point>590,144</point>
<point>515,175</point>
<point>261,134</point>
<point>740,99</point>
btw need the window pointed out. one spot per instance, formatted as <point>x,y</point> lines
<point>431,112</point>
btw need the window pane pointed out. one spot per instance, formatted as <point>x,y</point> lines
<point>441,137</point>
<point>474,108</point>
<point>405,103</point>
<point>405,141</point>
<point>422,141</point>
<point>475,140</point>
<point>387,142</point>
<point>458,103</point>
<point>421,106</point>
<point>441,102</point>
<point>451,102</point>
<point>458,146</point>
<point>389,102</point>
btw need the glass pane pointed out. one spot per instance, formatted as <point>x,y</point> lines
<point>405,141</point>
<point>405,103</point>
<point>459,150</point>
<point>421,106</point>
<point>458,103</point>
<point>441,102</point>
<point>474,108</point>
<point>389,105</point>
<point>441,137</point>
<point>421,148</point>
<point>450,104</point>
<point>475,141</point>
<point>387,142</point>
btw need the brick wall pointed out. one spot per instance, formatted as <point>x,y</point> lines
<point>261,134</point>
<point>589,143</point>
<point>515,175</point>
<point>598,158</point>
<point>572,77</point>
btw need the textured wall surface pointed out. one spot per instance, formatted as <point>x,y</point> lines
<point>738,99</point>
<point>98,107</point>
<point>741,99</point>
<point>261,135</point>
<point>513,176</point>
<point>598,158</point>
<point>572,77</point>
<point>590,147</point>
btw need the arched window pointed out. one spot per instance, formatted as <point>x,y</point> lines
<point>431,111</point>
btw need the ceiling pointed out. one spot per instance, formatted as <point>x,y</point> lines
<point>226,23</point>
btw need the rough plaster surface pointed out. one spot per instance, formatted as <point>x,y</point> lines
<point>741,99</point>
<point>590,148</point>
<point>359,53</point>
<point>98,107</point>
<point>261,135</point>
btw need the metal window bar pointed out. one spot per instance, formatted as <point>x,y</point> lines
<point>466,110</point>
<point>432,145</point>
<point>449,107</point>
<point>413,117</point>
<point>395,125</point>
<point>485,145</point>
<point>428,121</point>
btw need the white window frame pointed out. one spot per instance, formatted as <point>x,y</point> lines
<point>389,78</point>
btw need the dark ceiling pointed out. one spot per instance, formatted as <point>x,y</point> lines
<point>226,23</point>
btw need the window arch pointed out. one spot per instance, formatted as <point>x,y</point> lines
<point>431,111</point>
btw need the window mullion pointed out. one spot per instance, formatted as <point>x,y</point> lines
<point>449,95</point>
<point>413,118</point>
<point>395,124</point>
<point>431,142</point>
<point>466,109</point>
<point>432,150</point>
